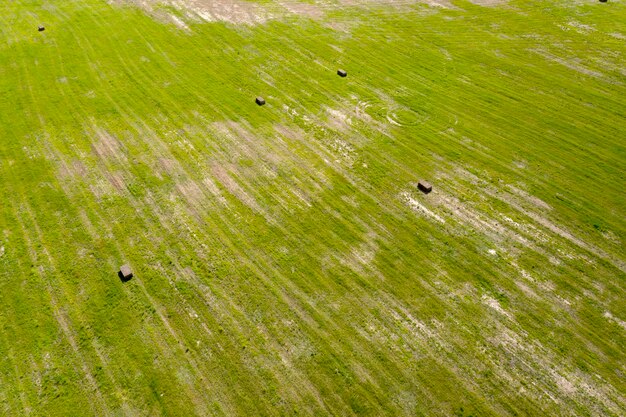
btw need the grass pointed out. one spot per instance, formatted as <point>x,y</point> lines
<point>284,262</point>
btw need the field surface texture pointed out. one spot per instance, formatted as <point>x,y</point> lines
<point>284,261</point>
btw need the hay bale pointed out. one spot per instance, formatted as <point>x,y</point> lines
<point>424,187</point>
<point>342,73</point>
<point>125,273</point>
<point>41,28</point>
<point>260,101</point>
<point>603,1</point>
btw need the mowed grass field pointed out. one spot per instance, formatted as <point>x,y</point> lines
<point>285,263</point>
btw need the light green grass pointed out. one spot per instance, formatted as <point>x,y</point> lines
<point>283,263</point>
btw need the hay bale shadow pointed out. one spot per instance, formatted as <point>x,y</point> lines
<point>123,278</point>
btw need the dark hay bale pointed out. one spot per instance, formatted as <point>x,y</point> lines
<point>41,28</point>
<point>603,1</point>
<point>260,101</point>
<point>125,273</point>
<point>342,73</point>
<point>424,187</point>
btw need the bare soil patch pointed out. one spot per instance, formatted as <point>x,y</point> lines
<point>572,64</point>
<point>489,3</point>
<point>108,147</point>
<point>250,13</point>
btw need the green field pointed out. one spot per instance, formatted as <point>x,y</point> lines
<point>285,262</point>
